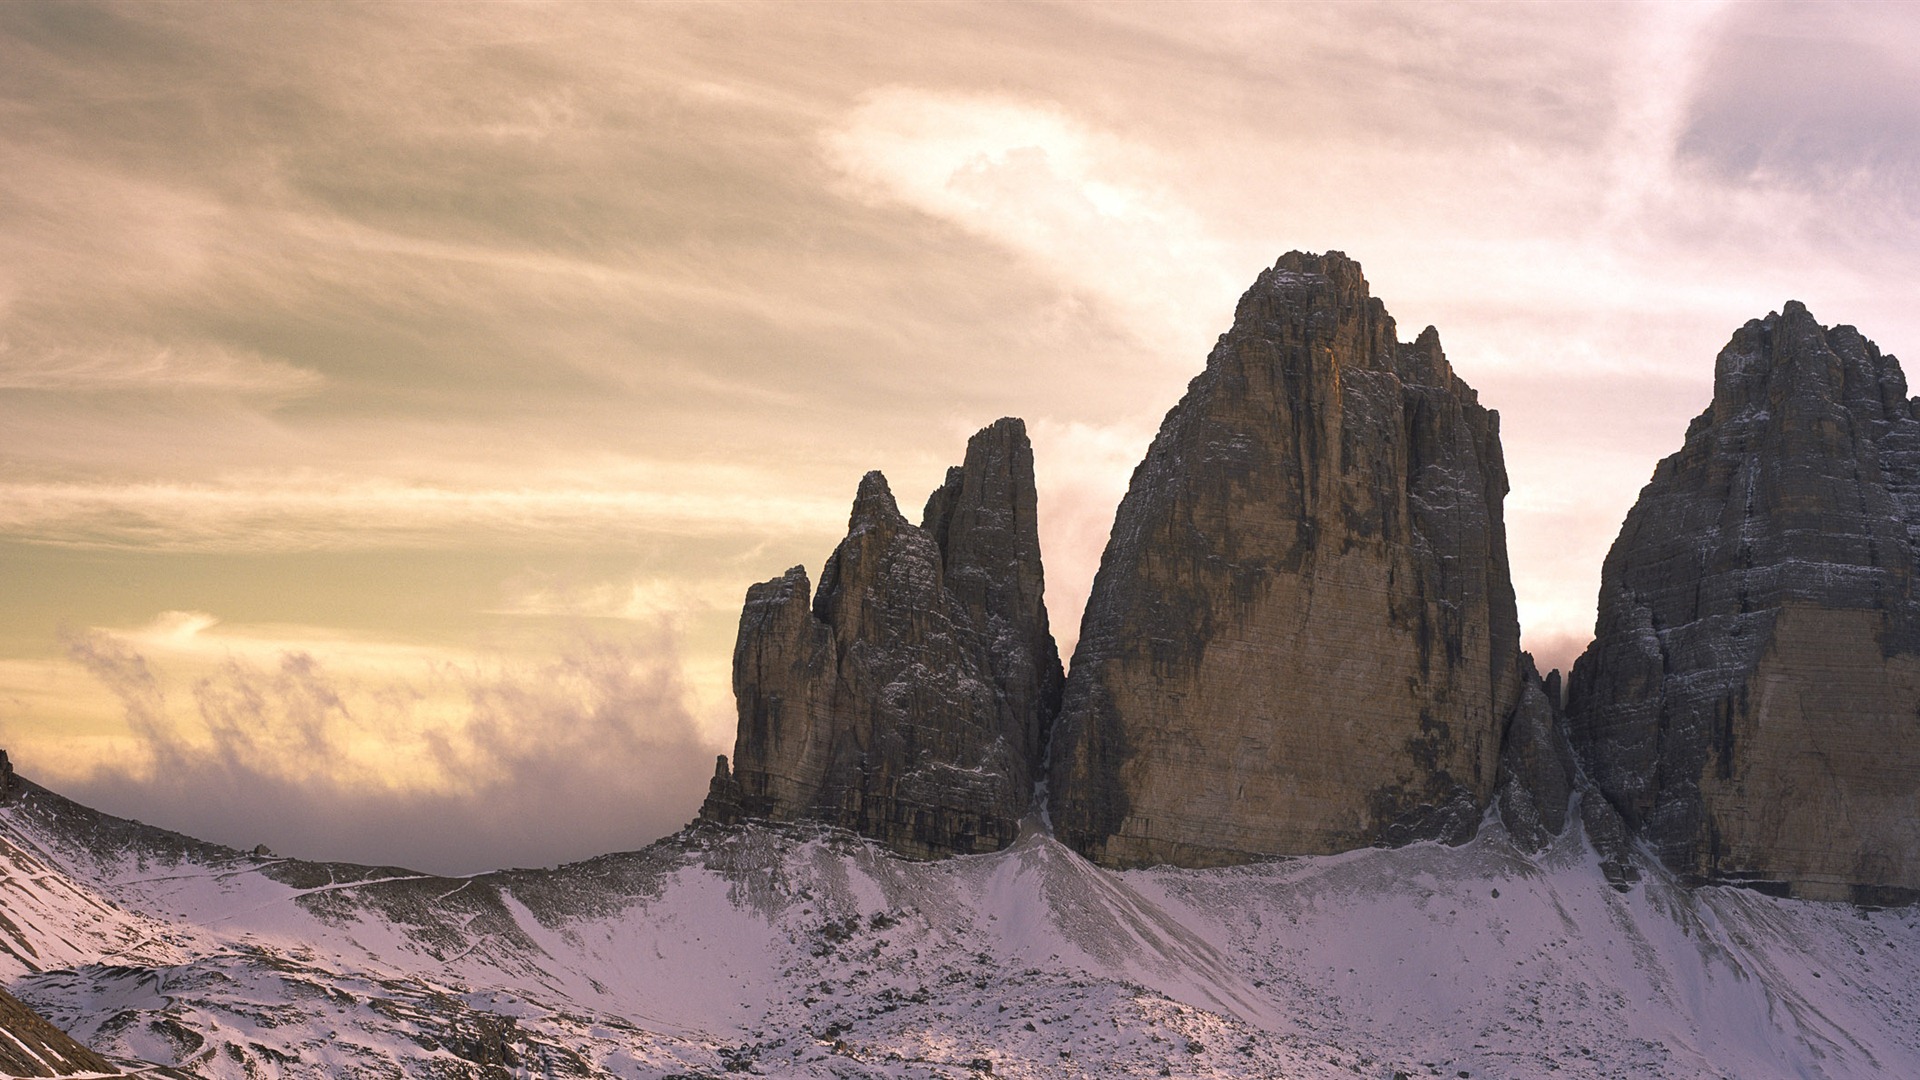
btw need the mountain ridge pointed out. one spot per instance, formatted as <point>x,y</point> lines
<point>802,949</point>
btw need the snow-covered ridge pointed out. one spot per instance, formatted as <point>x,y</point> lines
<point>805,952</point>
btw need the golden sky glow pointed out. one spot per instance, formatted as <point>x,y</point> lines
<point>396,400</point>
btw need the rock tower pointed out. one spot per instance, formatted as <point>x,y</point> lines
<point>1751,701</point>
<point>909,698</point>
<point>1302,636</point>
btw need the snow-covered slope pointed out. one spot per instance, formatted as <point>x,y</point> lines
<point>807,953</point>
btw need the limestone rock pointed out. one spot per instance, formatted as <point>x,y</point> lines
<point>986,522</point>
<point>722,805</point>
<point>1537,770</point>
<point>1749,701</point>
<point>1607,834</point>
<point>1302,636</point>
<point>908,698</point>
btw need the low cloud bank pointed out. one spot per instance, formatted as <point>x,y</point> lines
<point>467,767</point>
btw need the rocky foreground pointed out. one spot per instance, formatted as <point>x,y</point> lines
<point>802,951</point>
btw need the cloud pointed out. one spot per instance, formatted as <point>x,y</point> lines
<point>453,766</point>
<point>150,366</point>
<point>648,600</point>
<point>1813,99</point>
<point>304,511</point>
<point>1026,174</point>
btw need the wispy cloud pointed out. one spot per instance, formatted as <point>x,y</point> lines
<point>303,511</point>
<point>1070,197</point>
<point>647,600</point>
<point>123,365</point>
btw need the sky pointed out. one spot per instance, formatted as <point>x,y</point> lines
<point>397,400</point>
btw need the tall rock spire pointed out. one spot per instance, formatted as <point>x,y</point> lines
<point>907,698</point>
<point>1302,637</point>
<point>986,521</point>
<point>1749,700</point>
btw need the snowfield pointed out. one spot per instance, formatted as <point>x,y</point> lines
<point>785,952</point>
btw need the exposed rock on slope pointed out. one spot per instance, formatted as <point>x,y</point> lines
<point>910,699</point>
<point>1749,702</point>
<point>34,1047</point>
<point>1302,637</point>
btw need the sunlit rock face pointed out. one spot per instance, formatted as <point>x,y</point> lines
<point>1302,637</point>
<point>909,698</point>
<point>1751,702</point>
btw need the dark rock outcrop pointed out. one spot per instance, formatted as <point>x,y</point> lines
<point>1302,637</point>
<point>909,698</point>
<point>986,521</point>
<point>1537,771</point>
<point>1749,701</point>
<point>1541,782</point>
<point>34,1047</point>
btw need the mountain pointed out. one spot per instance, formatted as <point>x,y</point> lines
<point>1381,844</point>
<point>909,699</point>
<point>1302,636</point>
<point>802,950</point>
<point>1749,702</point>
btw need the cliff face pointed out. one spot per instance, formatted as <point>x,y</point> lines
<point>1749,700</point>
<point>1302,637</point>
<point>907,699</point>
<point>984,518</point>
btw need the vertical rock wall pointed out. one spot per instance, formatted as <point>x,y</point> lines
<point>985,520</point>
<point>1751,701</point>
<point>907,699</point>
<point>1302,637</point>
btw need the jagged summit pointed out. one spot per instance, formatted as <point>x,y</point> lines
<point>1748,700</point>
<point>909,699</point>
<point>873,505</point>
<point>1302,636</point>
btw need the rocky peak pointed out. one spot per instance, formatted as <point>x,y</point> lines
<point>906,701</point>
<point>1302,636</point>
<point>873,505</point>
<point>1747,700</point>
<point>985,520</point>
